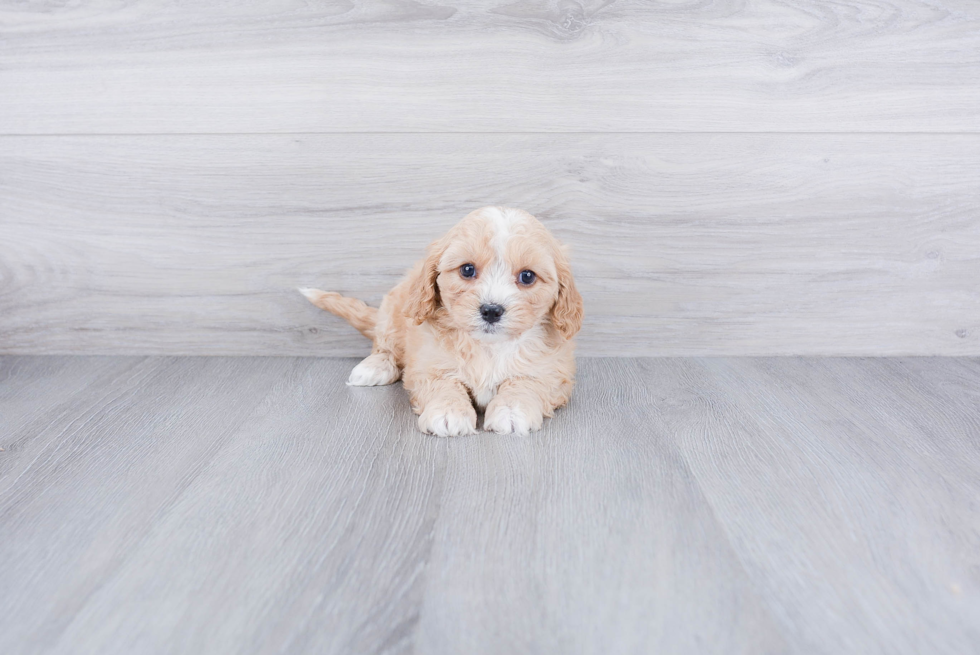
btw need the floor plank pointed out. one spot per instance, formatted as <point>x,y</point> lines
<point>34,389</point>
<point>829,479</point>
<point>527,66</point>
<point>79,495</point>
<point>313,522</point>
<point>258,505</point>
<point>592,537</point>
<point>681,244</point>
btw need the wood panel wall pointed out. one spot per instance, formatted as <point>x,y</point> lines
<point>732,177</point>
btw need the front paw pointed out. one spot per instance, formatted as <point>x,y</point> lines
<point>506,419</point>
<point>448,422</point>
<point>375,370</point>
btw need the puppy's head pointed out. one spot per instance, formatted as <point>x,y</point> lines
<point>498,273</point>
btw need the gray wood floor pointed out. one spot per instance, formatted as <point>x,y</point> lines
<point>255,505</point>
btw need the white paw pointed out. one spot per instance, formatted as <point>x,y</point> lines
<point>373,371</point>
<point>505,419</point>
<point>447,423</point>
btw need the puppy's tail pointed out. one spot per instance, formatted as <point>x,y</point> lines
<point>354,311</point>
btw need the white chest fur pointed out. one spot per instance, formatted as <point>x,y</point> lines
<point>494,363</point>
<point>482,365</point>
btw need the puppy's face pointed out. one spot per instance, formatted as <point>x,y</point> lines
<point>499,273</point>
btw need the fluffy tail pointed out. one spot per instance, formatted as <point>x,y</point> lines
<point>354,311</point>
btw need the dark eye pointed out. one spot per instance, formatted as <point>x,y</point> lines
<point>467,270</point>
<point>527,277</point>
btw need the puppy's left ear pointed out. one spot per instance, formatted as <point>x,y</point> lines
<point>568,310</point>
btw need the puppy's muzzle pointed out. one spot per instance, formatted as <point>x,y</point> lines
<point>491,313</point>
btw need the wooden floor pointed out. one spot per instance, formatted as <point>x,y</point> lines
<point>254,505</point>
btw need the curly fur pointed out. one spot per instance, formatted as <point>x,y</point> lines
<point>429,331</point>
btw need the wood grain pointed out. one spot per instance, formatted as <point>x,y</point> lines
<point>590,537</point>
<point>526,66</point>
<point>682,244</point>
<point>797,458</point>
<point>93,483</point>
<point>322,507</point>
<point>32,390</point>
<point>259,505</point>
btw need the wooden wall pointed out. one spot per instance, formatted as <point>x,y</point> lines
<point>733,177</point>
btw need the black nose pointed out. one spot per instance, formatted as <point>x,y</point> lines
<point>491,313</point>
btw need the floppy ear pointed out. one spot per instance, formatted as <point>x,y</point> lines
<point>567,312</point>
<point>423,298</point>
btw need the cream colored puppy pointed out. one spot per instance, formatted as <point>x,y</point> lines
<point>487,318</point>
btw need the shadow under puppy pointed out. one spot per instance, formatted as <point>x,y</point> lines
<point>487,317</point>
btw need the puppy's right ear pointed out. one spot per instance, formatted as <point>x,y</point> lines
<point>423,299</point>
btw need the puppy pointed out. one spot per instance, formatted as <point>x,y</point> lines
<point>487,317</point>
